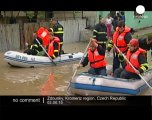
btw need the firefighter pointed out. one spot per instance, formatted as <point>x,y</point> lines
<point>137,58</point>
<point>96,58</point>
<point>121,38</point>
<point>43,36</point>
<point>100,33</point>
<point>58,31</point>
<point>35,48</point>
<point>146,43</point>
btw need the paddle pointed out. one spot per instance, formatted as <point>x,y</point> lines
<point>132,66</point>
<point>45,51</point>
<point>79,64</point>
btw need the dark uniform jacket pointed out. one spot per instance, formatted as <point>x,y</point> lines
<point>100,33</point>
<point>143,44</point>
<point>58,31</point>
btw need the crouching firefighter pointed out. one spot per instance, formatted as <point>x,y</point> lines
<point>35,48</point>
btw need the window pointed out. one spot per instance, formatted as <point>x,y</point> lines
<point>136,15</point>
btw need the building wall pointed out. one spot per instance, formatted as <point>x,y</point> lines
<point>102,14</point>
<point>137,23</point>
<point>90,16</point>
<point>131,20</point>
<point>72,14</point>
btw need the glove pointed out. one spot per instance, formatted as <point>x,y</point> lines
<point>120,57</point>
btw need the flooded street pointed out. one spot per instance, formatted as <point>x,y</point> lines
<point>34,81</point>
<point>51,80</point>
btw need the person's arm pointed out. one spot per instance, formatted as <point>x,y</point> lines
<point>95,31</point>
<point>143,62</point>
<point>101,51</point>
<point>85,61</point>
<point>128,37</point>
<point>55,28</point>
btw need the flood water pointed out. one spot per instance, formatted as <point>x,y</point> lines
<point>51,80</point>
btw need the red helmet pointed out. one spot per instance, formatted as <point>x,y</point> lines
<point>134,42</point>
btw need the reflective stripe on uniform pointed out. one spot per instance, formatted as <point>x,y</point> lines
<point>102,42</point>
<point>34,45</point>
<point>56,50</point>
<point>95,31</point>
<point>101,32</point>
<point>61,43</point>
<point>59,32</point>
<point>59,29</point>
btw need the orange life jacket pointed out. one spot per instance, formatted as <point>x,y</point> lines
<point>51,47</point>
<point>119,41</point>
<point>96,60</point>
<point>44,35</point>
<point>133,58</point>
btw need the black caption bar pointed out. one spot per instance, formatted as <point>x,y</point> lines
<point>76,100</point>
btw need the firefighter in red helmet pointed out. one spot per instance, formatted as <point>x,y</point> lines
<point>96,57</point>
<point>137,58</point>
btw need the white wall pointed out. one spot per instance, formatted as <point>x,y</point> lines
<point>72,29</point>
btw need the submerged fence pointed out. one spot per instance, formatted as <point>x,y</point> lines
<point>9,37</point>
<point>14,36</point>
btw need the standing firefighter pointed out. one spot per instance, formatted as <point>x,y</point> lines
<point>57,30</point>
<point>100,33</point>
<point>121,38</point>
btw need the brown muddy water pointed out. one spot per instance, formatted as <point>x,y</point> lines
<point>51,80</point>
